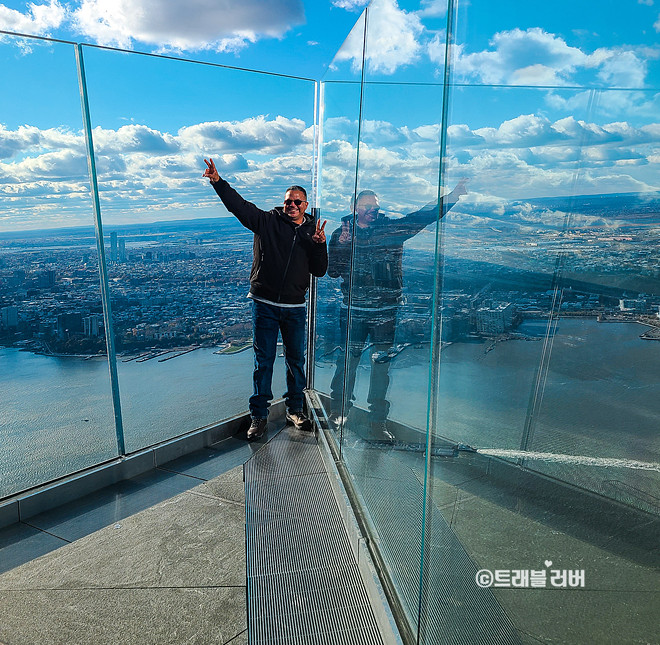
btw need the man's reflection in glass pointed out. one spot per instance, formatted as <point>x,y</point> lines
<point>377,287</point>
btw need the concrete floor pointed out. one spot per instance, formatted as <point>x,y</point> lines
<point>171,573</point>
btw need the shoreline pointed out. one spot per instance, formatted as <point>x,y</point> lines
<point>652,333</point>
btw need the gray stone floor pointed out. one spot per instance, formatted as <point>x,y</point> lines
<point>157,561</point>
<point>482,521</point>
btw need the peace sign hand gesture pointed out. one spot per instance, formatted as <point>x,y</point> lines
<point>345,235</point>
<point>211,171</point>
<point>319,234</point>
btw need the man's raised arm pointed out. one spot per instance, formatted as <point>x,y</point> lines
<point>414,222</point>
<point>246,212</point>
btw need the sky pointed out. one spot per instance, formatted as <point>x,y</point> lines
<point>544,101</point>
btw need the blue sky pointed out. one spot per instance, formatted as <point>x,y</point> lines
<point>547,101</point>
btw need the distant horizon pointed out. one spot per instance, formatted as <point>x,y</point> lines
<point>84,228</point>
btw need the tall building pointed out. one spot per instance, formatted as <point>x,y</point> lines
<point>113,246</point>
<point>92,325</point>
<point>69,323</point>
<point>46,279</point>
<point>9,317</point>
<point>495,319</point>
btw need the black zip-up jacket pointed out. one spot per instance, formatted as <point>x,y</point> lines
<point>284,253</point>
<point>377,265</point>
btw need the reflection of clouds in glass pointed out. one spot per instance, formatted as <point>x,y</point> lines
<point>537,57</point>
<point>393,39</point>
<point>529,155</point>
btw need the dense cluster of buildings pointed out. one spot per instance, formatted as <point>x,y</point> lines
<point>188,287</point>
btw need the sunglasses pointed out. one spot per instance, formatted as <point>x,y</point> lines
<point>297,202</point>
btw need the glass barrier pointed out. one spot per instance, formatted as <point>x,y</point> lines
<point>56,414</point>
<point>542,385</point>
<point>498,410</point>
<point>178,262</point>
<point>338,156</point>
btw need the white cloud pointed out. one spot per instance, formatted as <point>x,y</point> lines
<point>351,5</point>
<point>536,57</point>
<point>222,25</point>
<point>38,20</point>
<point>536,75</point>
<point>620,68</point>
<point>30,139</point>
<point>145,173</point>
<point>252,134</point>
<point>133,138</point>
<point>393,39</point>
<point>433,8</point>
<point>516,50</point>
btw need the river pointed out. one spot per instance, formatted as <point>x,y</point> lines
<point>599,398</point>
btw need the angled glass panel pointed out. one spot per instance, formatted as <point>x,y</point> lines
<point>386,246</point>
<point>55,409</point>
<point>541,380</point>
<point>338,154</point>
<point>179,263</point>
<point>604,363</point>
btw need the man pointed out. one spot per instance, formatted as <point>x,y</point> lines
<point>377,286</point>
<point>287,248</point>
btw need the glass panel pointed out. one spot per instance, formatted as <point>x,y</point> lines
<point>178,263</point>
<point>552,486</point>
<point>55,410</point>
<point>340,127</point>
<point>382,257</point>
<point>530,306</point>
<point>596,417</point>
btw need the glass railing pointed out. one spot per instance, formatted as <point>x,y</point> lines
<point>491,380</point>
<point>56,409</point>
<point>488,361</point>
<point>175,263</point>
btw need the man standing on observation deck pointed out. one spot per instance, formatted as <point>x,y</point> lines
<point>288,248</point>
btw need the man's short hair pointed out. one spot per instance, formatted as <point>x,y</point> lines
<point>298,188</point>
<point>363,193</point>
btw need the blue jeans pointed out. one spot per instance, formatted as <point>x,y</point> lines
<point>267,320</point>
<point>380,328</point>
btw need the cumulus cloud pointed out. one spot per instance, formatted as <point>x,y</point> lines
<point>144,172</point>
<point>537,57</point>
<point>523,157</point>
<point>38,20</point>
<point>393,39</point>
<point>255,133</point>
<point>222,25</point>
<point>433,8</point>
<point>351,5</point>
<point>29,139</point>
<point>43,173</point>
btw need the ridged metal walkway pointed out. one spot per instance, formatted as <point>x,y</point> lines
<point>303,582</point>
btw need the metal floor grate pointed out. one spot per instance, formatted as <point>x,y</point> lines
<point>304,586</point>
